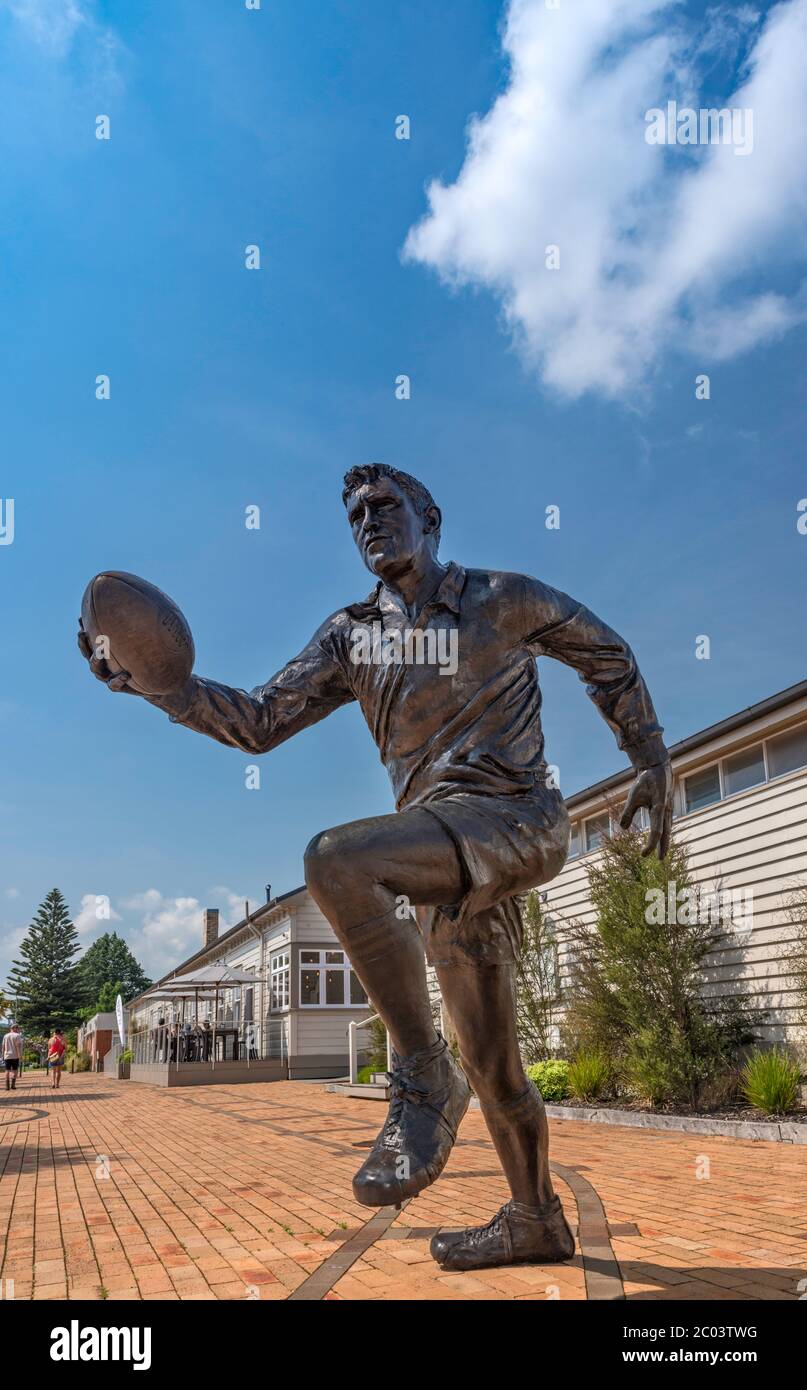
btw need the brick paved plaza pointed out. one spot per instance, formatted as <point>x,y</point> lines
<point>112,1189</point>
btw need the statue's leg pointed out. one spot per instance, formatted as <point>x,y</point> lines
<point>480,1000</point>
<point>358,874</point>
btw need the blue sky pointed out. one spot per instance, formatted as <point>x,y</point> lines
<point>231,387</point>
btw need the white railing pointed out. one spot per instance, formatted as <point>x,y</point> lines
<point>353,1049</point>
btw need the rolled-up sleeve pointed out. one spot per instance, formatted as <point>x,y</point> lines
<point>304,691</point>
<point>556,625</point>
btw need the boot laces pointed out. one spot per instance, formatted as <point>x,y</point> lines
<point>477,1234</point>
<point>404,1090</point>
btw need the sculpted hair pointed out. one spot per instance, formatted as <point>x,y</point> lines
<point>371,472</point>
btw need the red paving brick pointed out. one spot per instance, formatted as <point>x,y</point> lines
<point>114,1190</point>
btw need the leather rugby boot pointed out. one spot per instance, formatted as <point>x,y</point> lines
<point>516,1235</point>
<point>429,1097</point>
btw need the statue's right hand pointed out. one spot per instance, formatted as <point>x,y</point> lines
<point>117,681</point>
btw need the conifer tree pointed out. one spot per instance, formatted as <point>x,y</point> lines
<point>44,981</point>
<point>537,981</point>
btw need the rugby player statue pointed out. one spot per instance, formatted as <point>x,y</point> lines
<point>478,821</point>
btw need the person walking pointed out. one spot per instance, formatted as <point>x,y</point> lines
<point>56,1051</point>
<point>12,1056</point>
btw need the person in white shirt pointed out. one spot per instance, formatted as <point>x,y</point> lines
<point>12,1056</point>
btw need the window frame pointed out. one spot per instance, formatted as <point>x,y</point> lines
<point>725,774</point>
<point>794,729</point>
<point>322,967</point>
<point>696,772</point>
<point>720,762</point>
<point>598,815</point>
<point>285,968</point>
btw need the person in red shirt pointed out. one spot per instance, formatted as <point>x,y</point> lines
<point>56,1057</point>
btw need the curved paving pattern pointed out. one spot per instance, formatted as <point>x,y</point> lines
<point>602,1277</point>
<point>110,1189</point>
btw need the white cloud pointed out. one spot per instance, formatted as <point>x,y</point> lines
<point>68,32</point>
<point>654,240</point>
<point>11,939</point>
<point>12,892</point>
<point>51,23</point>
<point>170,929</point>
<point>95,914</point>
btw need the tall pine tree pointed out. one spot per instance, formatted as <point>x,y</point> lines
<point>45,982</point>
<point>109,961</point>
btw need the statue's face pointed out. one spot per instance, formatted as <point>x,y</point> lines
<point>387,527</point>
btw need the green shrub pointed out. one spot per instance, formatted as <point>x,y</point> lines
<point>79,1061</point>
<point>770,1081</point>
<point>377,1050</point>
<point>364,1076</point>
<point>126,1055</point>
<point>551,1078</point>
<point>637,974</point>
<point>537,979</point>
<point>590,1074</point>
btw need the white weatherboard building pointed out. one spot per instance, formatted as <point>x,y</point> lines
<point>740,805</point>
<point>741,808</point>
<point>292,1023</point>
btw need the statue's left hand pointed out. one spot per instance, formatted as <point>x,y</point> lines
<point>653,788</point>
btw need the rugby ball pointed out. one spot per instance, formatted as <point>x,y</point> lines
<point>146,634</point>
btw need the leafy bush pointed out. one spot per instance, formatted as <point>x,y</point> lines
<point>537,980</point>
<point>551,1077</point>
<point>79,1061</point>
<point>770,1081</point>
<point>637,977</point>
<point>590,1074</point>
<point>377,1050</point>
<point>126,1055</point>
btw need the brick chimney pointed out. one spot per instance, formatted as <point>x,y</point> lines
<point>211,925</point>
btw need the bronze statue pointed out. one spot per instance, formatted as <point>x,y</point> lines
<point>477,822</point>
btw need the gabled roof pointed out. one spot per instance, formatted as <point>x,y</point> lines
<point>229,935</point>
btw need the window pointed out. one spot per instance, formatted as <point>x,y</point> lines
<point>746,769</point>
<point>702,788</point>
<point>597,830</point>
<point>279,978</point>
<point>574,843</point>
<point>787,752</point>
<point>326,979</point>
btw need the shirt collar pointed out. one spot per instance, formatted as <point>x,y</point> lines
<point>448,595</point>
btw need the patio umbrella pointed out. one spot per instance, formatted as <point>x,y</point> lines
<point>212,976</point>
<point>221,975</point>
